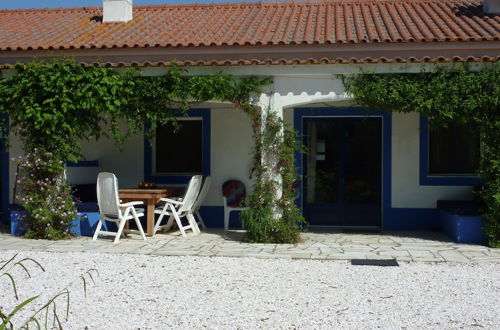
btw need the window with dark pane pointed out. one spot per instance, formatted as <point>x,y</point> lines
<point>454,150</point>
<point>179,151</point>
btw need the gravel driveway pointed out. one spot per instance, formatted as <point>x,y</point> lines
<point>160,292</point>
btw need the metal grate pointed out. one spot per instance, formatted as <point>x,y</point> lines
<point>375,262</point>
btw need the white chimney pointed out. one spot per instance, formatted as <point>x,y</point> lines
<point>491,6</point>
<point>117,11</point>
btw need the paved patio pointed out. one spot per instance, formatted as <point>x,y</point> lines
<point>403,246</point>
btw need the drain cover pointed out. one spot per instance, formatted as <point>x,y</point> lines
<point>375,262</point>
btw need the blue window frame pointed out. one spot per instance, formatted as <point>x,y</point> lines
<point>150,176</point>
<point>427,179</point>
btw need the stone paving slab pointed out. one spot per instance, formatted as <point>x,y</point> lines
<point>402,246</point>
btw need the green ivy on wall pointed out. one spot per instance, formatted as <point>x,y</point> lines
<point>457,94</point>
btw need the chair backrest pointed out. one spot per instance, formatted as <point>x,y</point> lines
<point>235,192</point>
<point>107,195</point>
<point>203,193</point>
<point>192,192</point>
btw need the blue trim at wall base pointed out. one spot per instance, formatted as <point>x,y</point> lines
<point>411,219</point>
<point>213,216</point>
<point>394,218</point>
<point>84,225</point>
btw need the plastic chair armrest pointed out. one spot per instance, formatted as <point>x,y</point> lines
<point>171,201</point>
<point>131,204</point>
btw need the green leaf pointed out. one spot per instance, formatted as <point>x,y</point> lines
<point>15,311</point>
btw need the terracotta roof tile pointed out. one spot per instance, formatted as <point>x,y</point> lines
<point>294,61</point>
<point>321,22</point>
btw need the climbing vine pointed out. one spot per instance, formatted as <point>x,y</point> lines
<point>273,216</point>
<point>447,95</point>
<point>55,105</point>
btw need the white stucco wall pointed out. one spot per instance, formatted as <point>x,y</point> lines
<point>127,164</point>
<point>231,143</point>
<point>406,190</point>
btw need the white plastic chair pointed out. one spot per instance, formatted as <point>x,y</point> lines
<point>112,210</point>
<point>199,200</point>
<point>177,209</point>
<point>229,208</point>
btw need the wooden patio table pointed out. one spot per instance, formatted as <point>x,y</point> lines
<point>150,197</point>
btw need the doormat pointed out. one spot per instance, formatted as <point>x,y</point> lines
<point>375,262</point>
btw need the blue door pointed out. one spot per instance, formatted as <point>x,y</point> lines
<point>343,171</point>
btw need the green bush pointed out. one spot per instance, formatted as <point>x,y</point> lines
<point>490,172</point>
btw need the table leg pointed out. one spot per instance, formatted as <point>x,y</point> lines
<point>150,216</point>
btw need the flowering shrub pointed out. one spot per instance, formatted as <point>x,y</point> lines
<point>45,195</point>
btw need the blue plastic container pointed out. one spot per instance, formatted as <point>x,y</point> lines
<point>463,228</point>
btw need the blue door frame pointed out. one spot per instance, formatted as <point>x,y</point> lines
<point>301,113</point>
<point>4,158</point>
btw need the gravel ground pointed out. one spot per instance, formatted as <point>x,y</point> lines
<point>155,292</point>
